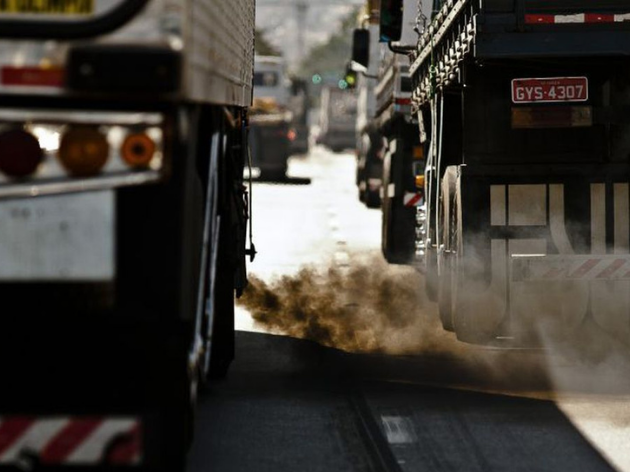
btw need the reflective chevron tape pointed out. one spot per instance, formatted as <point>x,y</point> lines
<point>70,440</point>
<point>411,199</point>
<point>539,268</point>
<point>533,19</point>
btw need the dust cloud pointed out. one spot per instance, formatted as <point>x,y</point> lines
<point>369,306</point>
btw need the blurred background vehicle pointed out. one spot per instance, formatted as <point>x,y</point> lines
<point>337,119</point>
<point>270,118</point>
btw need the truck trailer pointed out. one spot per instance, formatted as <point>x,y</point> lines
<point>522,110</point>
<point>392,154</point>
<point>123,218</point>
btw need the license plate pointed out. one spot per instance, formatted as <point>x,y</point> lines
<point>67,238</point>
<point>47,7</point>
<point>548,90</point>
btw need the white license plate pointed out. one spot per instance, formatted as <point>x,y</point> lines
<point>549,90</point>
<point>67,238</point>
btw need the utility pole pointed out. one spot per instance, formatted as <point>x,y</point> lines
<point>301,9</point>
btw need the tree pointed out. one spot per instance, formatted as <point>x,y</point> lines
<point>264,47</point>
<point>331,57</point>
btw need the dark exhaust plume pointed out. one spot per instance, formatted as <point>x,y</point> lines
<point>367,307</point>
<point>376,308</point>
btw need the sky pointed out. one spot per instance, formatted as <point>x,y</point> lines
<point>280,24</point>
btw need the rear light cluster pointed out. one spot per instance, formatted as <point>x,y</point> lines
<point>68,146</point>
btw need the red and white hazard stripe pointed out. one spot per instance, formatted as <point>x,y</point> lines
<point>540,268</point>
<point>412,199</point>
<point>71,440</point>
<point>535,18</point>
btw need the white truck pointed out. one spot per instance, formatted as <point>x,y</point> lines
<point>123,138</point>
<point>337,118</point>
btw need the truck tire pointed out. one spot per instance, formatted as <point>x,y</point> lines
<point>223,335</point>
<point>447,248</point>
<point>466,309</point>
<point>222,329</point>
<point>399,222</point>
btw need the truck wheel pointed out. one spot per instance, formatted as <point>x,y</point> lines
<point>447,246</point>
<point>468,308</point>
<point>227,240</point>
<point>222,347</point>
<point>223,335</point>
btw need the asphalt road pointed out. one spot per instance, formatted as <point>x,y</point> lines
<point>341,364</point>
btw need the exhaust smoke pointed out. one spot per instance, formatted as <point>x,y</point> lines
<point>367,307</point>
<point>372,307</point>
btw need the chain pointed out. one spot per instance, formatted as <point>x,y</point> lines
<point>421,20</point>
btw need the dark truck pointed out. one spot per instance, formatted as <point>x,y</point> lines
<point>123,138</point>
<point>523,113</point>
<point>270,118</point>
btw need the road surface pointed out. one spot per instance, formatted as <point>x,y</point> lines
<point>342,366</point>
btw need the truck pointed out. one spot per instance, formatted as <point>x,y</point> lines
<point>522,111</point>
<point>300,107</point>
<point>390,154</point>
<point>270,118</point>
<point>337,116</point>
<point>363,68</point>
<point>123,224</point>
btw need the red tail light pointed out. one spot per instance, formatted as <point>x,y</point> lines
<point>20,153</point>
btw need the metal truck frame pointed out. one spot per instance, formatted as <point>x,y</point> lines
<point>123,140</point>
<point>523,109</point>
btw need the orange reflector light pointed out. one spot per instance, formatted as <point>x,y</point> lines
<point>552,117</point>
<point>83,151</point>
<point>418,152</point>
<point>419,181</point>
<point>138,150</point>
<point>20,153</point>
<point>291,135</point>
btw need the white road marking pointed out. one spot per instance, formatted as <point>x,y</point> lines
<point>398,429</point>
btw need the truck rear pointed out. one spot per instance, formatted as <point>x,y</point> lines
<point>122,223</point>
<point>523,113</point>
<point>270,118</point>
<point>338,109</point>
<point>391,167</point>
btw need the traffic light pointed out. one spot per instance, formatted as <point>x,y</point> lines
<point>350,79</point>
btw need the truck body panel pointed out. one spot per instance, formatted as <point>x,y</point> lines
<point>123,221</point>
<point>212,38</point>
<point>522,112</point>
<point>338,110</point>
